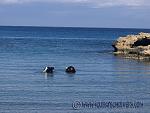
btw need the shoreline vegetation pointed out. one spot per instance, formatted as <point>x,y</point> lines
<point>133,46</point>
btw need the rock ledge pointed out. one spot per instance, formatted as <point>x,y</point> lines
<point>133,46</point>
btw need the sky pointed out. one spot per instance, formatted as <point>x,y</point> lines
<point>76,13</point>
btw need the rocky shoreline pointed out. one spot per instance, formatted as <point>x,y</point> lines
<point>133,46</point>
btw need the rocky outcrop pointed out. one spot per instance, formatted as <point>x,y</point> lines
<point>133,46</point>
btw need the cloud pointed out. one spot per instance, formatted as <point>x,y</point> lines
<point>94,3</point>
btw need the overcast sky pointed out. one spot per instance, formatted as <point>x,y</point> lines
<point>76,13</point>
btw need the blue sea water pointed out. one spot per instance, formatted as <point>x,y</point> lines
<point>100,76</point>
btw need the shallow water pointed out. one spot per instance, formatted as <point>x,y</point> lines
<point>101,76</point>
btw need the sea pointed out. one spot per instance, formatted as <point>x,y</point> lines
<point>103,83</point>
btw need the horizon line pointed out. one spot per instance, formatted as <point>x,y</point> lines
<point>71,27</point>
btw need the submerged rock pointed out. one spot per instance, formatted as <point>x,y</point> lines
<point>133,46</point>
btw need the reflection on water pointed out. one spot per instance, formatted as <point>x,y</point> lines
<point>131,66</point>
<point>48,75</point>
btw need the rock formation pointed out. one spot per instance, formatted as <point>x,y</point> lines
<point>133,46</point>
